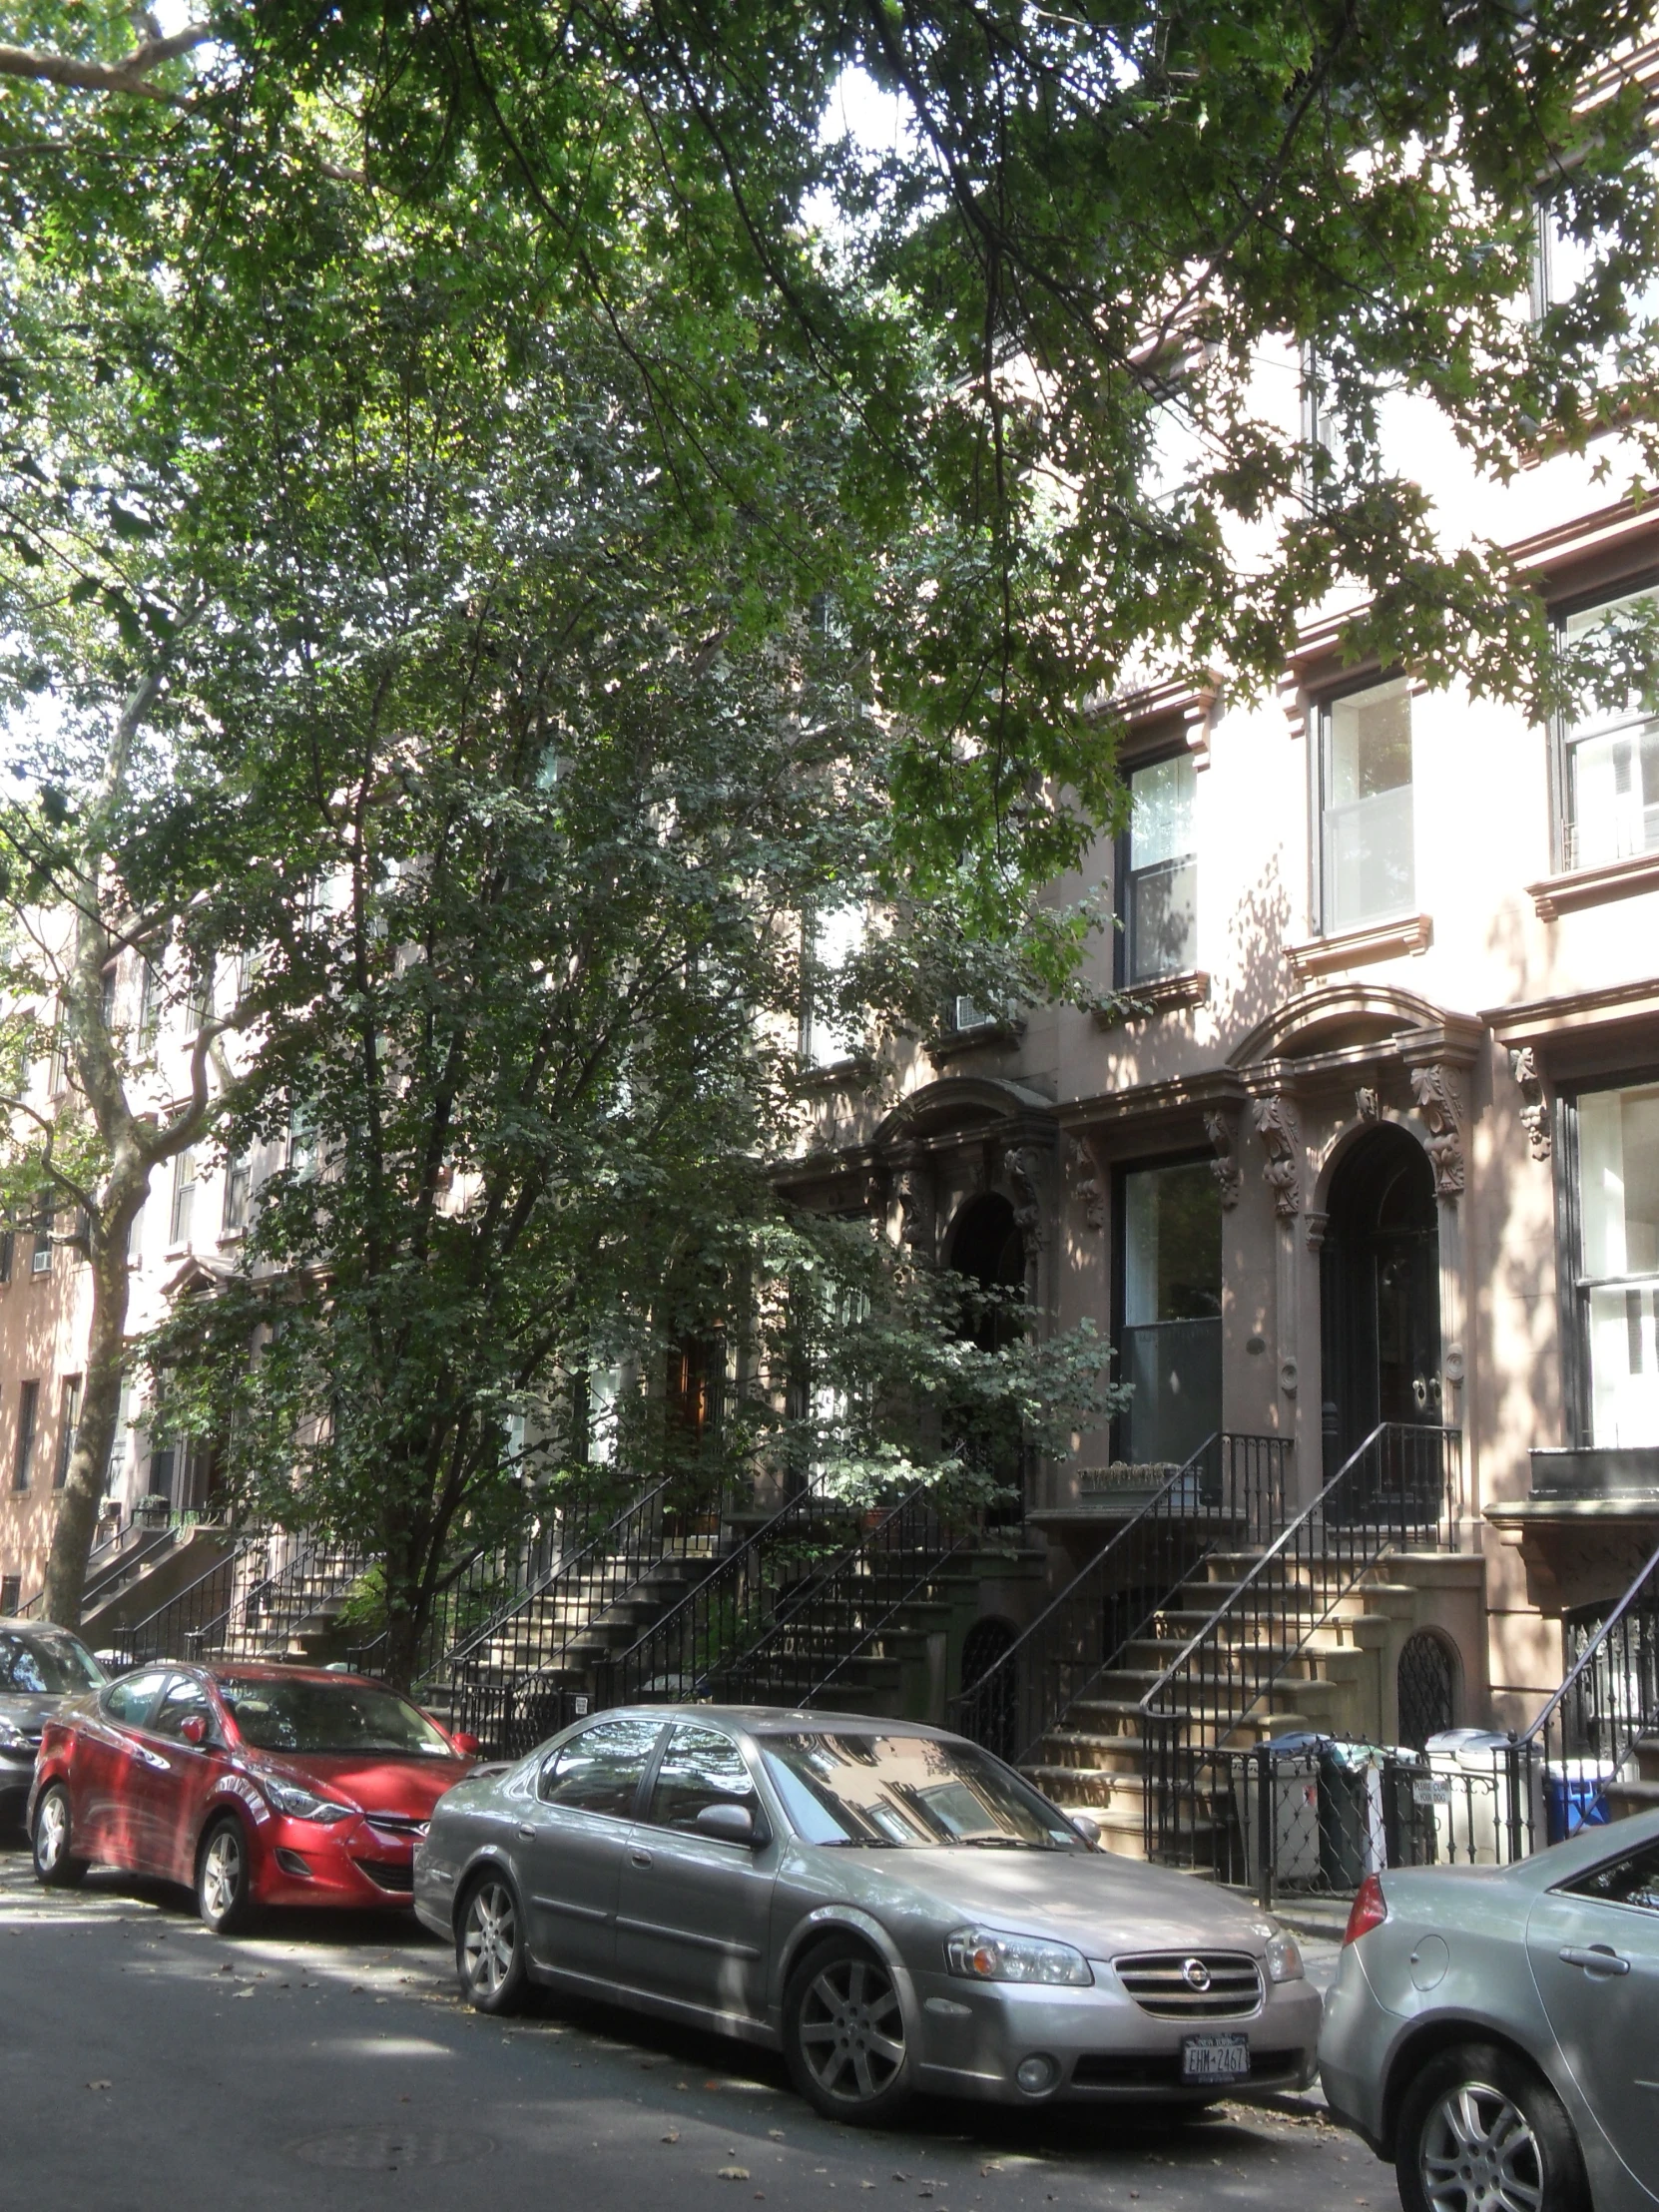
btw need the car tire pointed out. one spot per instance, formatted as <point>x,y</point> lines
<point>55,1863</point>
<point>1479,2125</point>
<point>844,2036</point>
<point>225,1877</point>
<point>489,1945</point>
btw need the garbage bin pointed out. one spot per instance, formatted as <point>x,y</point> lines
<point>1353,1837</point>
<point>1477,1820</point>
<point>1295,1808</point>
<point>1575,1794</point>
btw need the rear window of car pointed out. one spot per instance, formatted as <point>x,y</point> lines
<point>1630,1879</point>
<point>292,1713</point>
<point>47,1666</point>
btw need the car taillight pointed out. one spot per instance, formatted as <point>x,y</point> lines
<point>1369,1910</point>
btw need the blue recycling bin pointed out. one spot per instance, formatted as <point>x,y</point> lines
<point>1575,1795</point>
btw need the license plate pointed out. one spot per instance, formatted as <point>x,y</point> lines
<point>1215,2057</point>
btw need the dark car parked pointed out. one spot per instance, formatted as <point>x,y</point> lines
<point>40,1666</point>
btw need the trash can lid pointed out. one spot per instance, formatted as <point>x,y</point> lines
<point>1466,1739</point>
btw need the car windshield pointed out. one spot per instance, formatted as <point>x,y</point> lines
<point>273,1713</point>
<point>47,1666</point>
<point>909,1792</point>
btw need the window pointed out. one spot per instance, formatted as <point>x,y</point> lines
<point>1607,762</point>
<point>8,1250</point>
<point>833,936</point>
<point>1367,868</point>
<point>135,1237</point>
<point>1632,1880</point>
<point>198,999</point>
<point>601,1769</point>
<point>1159,873</point>
<point>40,1257</point>
<point>11,1594</point>
<point>68,1420</point>
<point>1169,1231</point>
<point>701,1767</point>
<point>304,1149</point>
<point>1616,1271</point>
<point>1321,449</point>
<point>184,1696</point>
<point>183,1196</point>
<point>28,1405</point>
<point>57,1063</point>
<point>238,1187</point>
<point>149,999</point>
<point>128,1701</point>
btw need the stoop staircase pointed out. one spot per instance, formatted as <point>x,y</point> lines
<point>1606,1716</point>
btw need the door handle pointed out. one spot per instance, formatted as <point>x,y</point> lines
<point>1598,1960</point>
<point>526,1834</point>
<point>640,1858</point>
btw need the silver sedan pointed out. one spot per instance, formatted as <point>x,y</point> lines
<point>890,1905</point>
<point>1495,2030</point>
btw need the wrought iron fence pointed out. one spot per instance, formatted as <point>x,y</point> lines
<point>841,1608</point>
<point>1400,1489</point>
<point>1230,1493</point>
<point>1590,1738</point>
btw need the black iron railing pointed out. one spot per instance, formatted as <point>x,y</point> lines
<point>684,1651</point>
<point>481,1587</point>
<point>1587,1737</point>
<point>182,1628</point>
<point>1400,1490</point>
<point>120,1554</point>
<point>1230,1493</point>
<point>519,1675</point>
<point>840,1609</point>
<point>270,1614</point>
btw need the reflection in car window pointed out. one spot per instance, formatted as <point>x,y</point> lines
<point>1632,1880</point>
<point>910,1792</point>
<point>699,1767</point>
<point>184,1695</point>
<point>47,1666</point>
<point>302,1714</point>
<point>601,1769</point>
<point>128,1700</point>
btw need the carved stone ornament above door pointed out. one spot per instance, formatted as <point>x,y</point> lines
<point>1091,1188</point>
<point>1222,1129</point>
<point>1443,1109</point>
<point>1534,1113</point>
<point>1277,1126</point>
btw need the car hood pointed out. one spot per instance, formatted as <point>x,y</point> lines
<point>31,1713</point>
<point>408,1788</point>
<point>1102,1904</point>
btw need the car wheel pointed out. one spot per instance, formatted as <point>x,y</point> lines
<point>843,2034</point>
<point>55,1863</point>
<point>1479,2132</point>
<point>224,1880</point>
<point>489,1947</point>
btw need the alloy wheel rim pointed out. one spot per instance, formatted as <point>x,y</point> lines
<point>51,1833</point>
<point>1480,2154</point>
<point>221,1874</point>
<point>852,2031</point>
<point>489,1938</point>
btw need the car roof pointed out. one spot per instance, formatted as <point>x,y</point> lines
<point>273,1670</point>
<point>781,1720</point>
<point>16,1625</point>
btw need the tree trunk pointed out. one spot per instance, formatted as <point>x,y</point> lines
<point>71,1533</point>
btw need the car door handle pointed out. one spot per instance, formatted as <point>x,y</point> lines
<point>640,1858</point>
<point>1597,1960</point>
<point>526,1834</point>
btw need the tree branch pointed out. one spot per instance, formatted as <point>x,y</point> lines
<point>127,75</point>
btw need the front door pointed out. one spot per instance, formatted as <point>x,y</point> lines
<point>1595,1948</point>
<point>693,1914</point>
<point>571,1840</point>
<point>1380,1292</point>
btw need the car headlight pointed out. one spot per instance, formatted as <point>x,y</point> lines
<point>12,1737</point>
<point>303,1805</point>
<point>1284,1957</point>
<point>984,1955</point>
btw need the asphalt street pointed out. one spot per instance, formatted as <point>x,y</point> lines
<point>326,2063</point>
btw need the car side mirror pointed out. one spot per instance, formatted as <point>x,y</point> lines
<point>468,1745</point>
<point>193,1729</point>
<point>1087,1827</point>
<point>730,1823</point>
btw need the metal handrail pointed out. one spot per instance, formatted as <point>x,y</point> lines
<point>1285,1624</point>
<point>833,1615</point>
<point>1587,1657</point>
<point>145,1639</point>
<point>1061,1641</point>
<point>1607,1703</point>
<point>111,1553</point>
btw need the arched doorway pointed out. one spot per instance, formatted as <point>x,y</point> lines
<point>1380,1292</point>
<point>986,1247</point>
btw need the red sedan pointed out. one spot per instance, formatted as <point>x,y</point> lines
<point>254,1785</point>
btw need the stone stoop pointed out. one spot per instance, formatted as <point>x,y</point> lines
<point>1637,1792</point>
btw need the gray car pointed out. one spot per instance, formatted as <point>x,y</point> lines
<point>40,1666</point>
<point>890,1905</point>
<point>1495,2030</point>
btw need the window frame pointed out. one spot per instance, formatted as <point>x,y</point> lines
<point>1319,894</point>
<point>182,1202</point>
<point>1571,1285</point>
<point>27,1433</point>
<point>1117,1272</point>
<point>1559,736</point>
<point>1123,979</point>
<point>70,1393</point>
